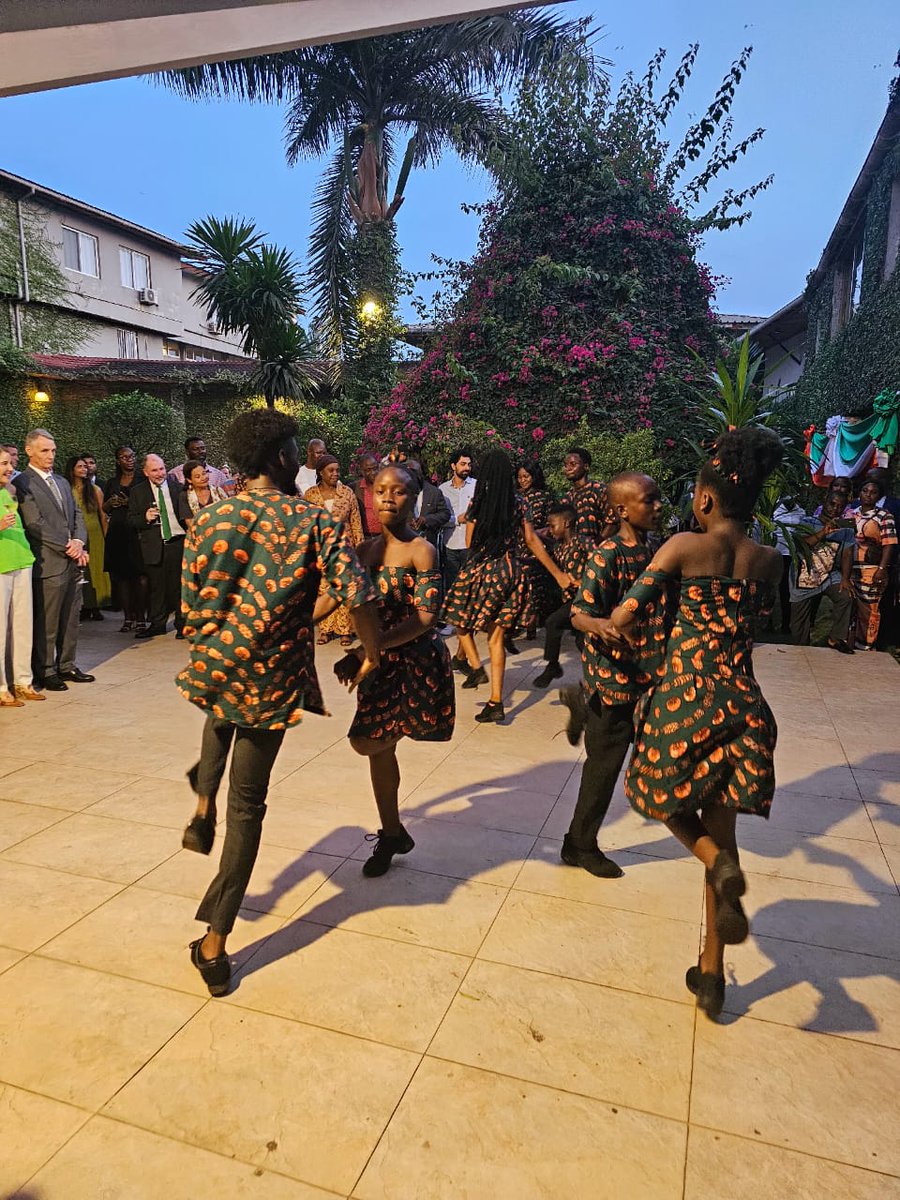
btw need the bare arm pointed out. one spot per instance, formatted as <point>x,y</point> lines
<point>539,550</point>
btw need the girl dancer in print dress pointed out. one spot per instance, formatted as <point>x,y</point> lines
<point>411,693</point>
<point>493,591</point>
<point>705,737</point>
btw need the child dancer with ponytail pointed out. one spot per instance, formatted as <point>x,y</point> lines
<point>705,736</point>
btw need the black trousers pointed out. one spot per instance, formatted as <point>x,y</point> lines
<point>164,581</point>
<point>608,733</point>
<point>803,614</point>
<point>57,608</point>
<point>555,626</point>
<point>252,759</point>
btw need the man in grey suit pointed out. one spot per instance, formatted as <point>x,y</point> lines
<point>55,530</point>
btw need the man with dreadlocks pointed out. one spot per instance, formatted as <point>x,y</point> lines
<point>492,591</point>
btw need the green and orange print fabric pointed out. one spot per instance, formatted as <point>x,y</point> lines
<point>250,578</point>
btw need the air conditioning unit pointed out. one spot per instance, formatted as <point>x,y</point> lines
<point>212,327</point>
<point>148,296</point>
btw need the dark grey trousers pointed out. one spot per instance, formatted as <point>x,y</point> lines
<point>57,608</point>
<point>803,614</point>
<point>252,759</point>
<point>608,733</point>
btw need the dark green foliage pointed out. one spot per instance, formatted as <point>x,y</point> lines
<point>145,423</point>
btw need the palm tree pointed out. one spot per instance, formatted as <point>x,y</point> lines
<point>437,86</point>
<point>254,288</point>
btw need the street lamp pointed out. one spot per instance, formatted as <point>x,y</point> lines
<point>370,310</point>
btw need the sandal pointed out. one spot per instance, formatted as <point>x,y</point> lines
<point>127,627</point>
<point>346,641</point>
<point>215,972</point>
<point>323,639</point>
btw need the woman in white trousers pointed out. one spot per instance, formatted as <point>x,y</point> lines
<point>16,616</point>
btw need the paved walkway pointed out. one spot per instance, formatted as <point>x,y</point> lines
<point>480,1023</point>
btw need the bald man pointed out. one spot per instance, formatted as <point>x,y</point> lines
<point>158,510</point>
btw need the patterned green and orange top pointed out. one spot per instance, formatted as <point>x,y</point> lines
<point>593,512</point>
<point>250,578</point>
<point>619,676</point>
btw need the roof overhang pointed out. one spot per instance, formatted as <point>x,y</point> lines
<point>886,139</point>
<point>786,323</point>
<point>55,43</point>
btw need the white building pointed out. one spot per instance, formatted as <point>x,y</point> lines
<point>129,286</point>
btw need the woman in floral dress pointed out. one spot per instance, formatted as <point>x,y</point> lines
<point>705,737</point>
<point>411,693</point>
<point>341,503</point>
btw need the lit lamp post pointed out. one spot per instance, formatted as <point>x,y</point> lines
<point>370,310</point>
<point>41,398</point>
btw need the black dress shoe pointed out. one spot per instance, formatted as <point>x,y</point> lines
<point>594,861</point>
<point>550,672</point>
<point>76,676</point>
<point>53,683</point>
<point>150,631</point>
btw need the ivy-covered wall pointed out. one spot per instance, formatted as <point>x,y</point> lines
<point>845,371</point>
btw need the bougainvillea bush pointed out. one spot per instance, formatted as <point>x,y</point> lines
<point>586,298</point>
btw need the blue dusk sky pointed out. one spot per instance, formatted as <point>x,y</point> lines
<point>817,82</point>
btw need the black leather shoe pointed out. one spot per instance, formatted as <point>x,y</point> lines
<point>386,846</point>
<point>53,683</point>
<point>594,861</point>
<point>708,988</point>
<point>475,678</point>
<point>492,711</point>
<point>573,698</point>
<point>550,672</point>
<point>215,972</point>
<point>76,676</point>
<point>151,631</point>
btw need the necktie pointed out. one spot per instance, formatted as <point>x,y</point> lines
<point>163,515</point>
<point>57,495</point>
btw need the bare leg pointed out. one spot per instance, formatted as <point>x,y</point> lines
<point>469,649</point>
<point>705,838</point>
<point>384,771</point>
<point>497,652</point>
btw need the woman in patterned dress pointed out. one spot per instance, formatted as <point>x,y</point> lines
<point>411,693</point>
<point>705,737</point>
<point>342,504</point>
<point>537,500</point>
<point>493,590</point>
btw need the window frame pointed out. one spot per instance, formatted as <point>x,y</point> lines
<point>123,335</point>
<point>79,234</point>
<point>131,255</point>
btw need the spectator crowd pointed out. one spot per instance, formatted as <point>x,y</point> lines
<point>73,547</point>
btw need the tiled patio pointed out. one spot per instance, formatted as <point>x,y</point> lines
<point>480,1023</point>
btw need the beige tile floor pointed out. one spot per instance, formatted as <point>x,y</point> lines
<point>480,1023</point>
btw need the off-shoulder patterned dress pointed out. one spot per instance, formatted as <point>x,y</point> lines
<point>493,591</point>
<point>411,694</point>
<point>705,735</point>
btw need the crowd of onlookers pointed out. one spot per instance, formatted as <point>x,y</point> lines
<point>72,546</point>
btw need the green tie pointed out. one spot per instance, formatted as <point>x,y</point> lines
<point>163,515</point>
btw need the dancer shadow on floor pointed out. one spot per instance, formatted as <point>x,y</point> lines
<point>848,929</point>
<point>398,887</point>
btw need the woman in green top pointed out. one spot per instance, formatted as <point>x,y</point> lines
<point>16,561</point>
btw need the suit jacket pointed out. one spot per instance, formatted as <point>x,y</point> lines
<point>436,512</point>
<point>47,527</point>
<point>142,497</point>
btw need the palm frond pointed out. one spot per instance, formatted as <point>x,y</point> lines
<point>265,79</point>
<point>328,267</point>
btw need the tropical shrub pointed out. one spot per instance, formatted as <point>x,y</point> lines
<point>586,299</point>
